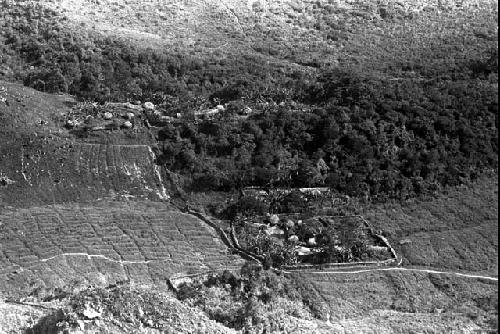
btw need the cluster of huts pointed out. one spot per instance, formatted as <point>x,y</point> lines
<point>113,116</point>
<point>305,234</point>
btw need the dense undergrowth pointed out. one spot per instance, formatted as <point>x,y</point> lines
<point>249,300</point>
<point>347,128</point>
<point>252,298</point>
<point>379,145</point>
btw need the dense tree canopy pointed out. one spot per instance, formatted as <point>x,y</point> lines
<point>353,130</point>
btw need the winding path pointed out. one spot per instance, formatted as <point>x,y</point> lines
<point>336,271</point>
<point>429,271</point>
<point>91,256</point>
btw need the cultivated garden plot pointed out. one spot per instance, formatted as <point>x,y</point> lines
<point>60,245</point>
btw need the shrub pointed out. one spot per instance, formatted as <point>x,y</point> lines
<point>247,206</point>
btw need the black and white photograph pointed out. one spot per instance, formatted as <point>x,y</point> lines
<point>248,166</point>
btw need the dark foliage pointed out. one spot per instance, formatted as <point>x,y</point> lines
<point>381,142</point>
<point>248,293</point>
<point>37,48</point>
<point>246,206</point>
<point>347,129</point>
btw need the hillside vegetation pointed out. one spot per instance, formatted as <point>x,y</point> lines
<point>400,101</point>
<point>390,106</point>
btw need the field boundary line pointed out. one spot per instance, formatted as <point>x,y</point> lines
<point>100,256</point>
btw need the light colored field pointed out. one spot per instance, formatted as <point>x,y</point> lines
<point>57,246</point>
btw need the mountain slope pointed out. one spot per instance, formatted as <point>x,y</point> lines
<point>399,99</point>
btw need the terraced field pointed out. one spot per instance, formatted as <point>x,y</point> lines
<point>145,243</point>
<point>89,210</point>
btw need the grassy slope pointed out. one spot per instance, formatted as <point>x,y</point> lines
<point>26,116</point>
<point>407,301</point>
<point>457,230</point>
<point>291,37</point>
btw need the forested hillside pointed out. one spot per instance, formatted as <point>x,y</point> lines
<point>364,126</point>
